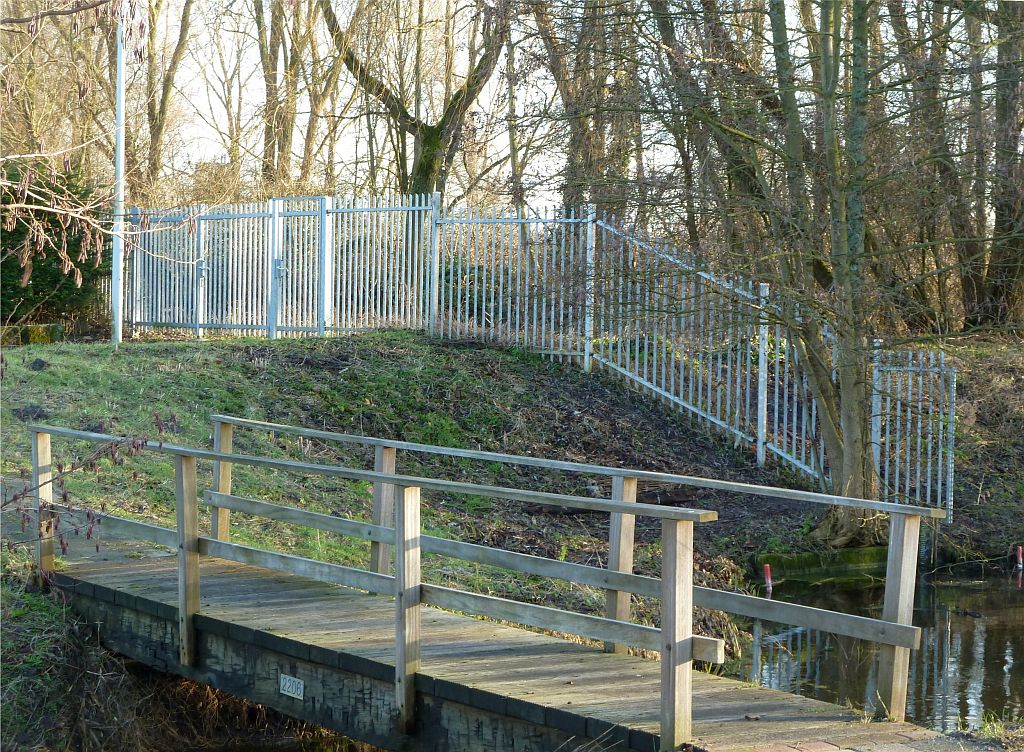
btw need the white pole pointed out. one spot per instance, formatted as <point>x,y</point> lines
<point>117,261</point>
<point>589,289</point>
<point>435,264</point>
<point>762,372</point>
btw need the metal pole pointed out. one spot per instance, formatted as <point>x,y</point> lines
<point>435,265</point>
<point>274,267</point>
<point>876,409</point>
<point>589,290</point>
<point>325,287</point>
<point>117,262</point>
<point>762,373</point>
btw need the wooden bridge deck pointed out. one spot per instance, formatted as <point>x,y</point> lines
<point>516,675</point>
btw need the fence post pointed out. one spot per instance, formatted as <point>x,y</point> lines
<point>876,411</point>
<point>762,373</point>
<point>621,531</point>
<point>383,512</point>
<point>325,300</point>
<point>950,437</point>
<point>274,267</point>
<point>589,290</point>
<point>900,579</point>
<point>676,632</point>
<point>133,280</point>
<point>407,605</point>
<point>435,263</point>
<point>200,276</point>
<point>187,513</point>
<point>220,518</point>
<point>117,256</point>
<point>42,481</point>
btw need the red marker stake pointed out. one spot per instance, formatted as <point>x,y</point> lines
<point>768,579</point>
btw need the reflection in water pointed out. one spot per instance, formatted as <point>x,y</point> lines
<point>971,660</point>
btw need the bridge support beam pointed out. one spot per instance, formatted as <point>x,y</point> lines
<point>621,535</point>
<point>42,482</point>
<point>220,518</point>
<point>187,512</point>
<point>676,633</point>
<point>383,512</point>
<point>900,580</point>
<point>407,605</point>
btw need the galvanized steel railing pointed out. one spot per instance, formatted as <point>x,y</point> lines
<point>567,285</point>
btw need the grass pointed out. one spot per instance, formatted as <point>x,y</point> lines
<point>989,474</point>
<point>996,730</point>
<point>405,387</point>
<point>1007,733</point>
<point>393,385</point>
<point>61,691</point>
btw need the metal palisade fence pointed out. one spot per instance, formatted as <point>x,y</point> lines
<point>570,285</point>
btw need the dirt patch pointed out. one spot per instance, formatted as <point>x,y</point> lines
<point>30,413</point>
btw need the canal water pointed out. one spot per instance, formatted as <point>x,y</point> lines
<point>970,665</point>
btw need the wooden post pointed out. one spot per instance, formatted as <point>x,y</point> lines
<point>383,508</point>
<point>220,519</point>
<point>900,580</point>
<point>187,509</point>
<point>407,604</point>
<point>42,481</point>
<point>676,632</point>
<point>621,536</point>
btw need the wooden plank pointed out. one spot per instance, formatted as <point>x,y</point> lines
<point>407,604</point>
<point>303,517</point>
<point>581,467</point>
<point>220,518</point>
<point>42,482</point>
<point>187,511</point>
<point>898,606</point>
<point>495,492</point>
<point>861,627</point>
<point>143,530</point>
<point>315,570</point>
<point>595,627</point>
<point>580,573</point>
<point>621,535</point>
<point>383,512</point>
<point>676,633</point>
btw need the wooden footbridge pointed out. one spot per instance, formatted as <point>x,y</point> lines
<point>381,656</point>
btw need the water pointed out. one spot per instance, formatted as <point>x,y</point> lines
<point>970,665</point>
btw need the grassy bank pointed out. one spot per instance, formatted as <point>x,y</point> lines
<point>61,691</point>
<point>405,387</point>
<point>988,517</point>
<point>393,385</point>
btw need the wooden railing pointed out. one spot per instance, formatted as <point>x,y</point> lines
<point>674,639</point>
<point>893,631</point>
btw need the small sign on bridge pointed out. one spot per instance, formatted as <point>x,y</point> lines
<point>292,686</point>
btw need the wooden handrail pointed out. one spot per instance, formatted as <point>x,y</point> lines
<point>496,492</point>
<point>580,467</point>
<point>848,625</point>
